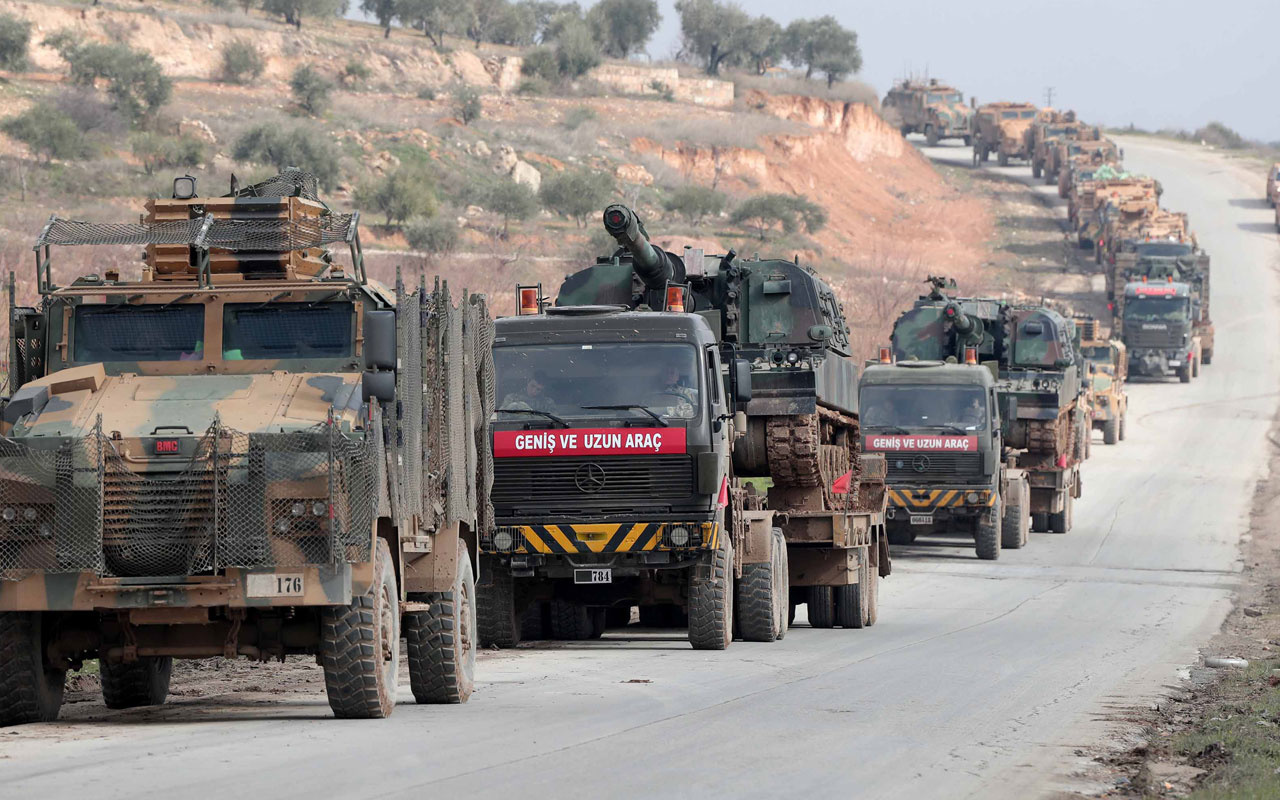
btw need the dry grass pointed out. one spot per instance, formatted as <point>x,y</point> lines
<point>849,91</point>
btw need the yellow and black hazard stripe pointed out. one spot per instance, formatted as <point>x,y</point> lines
<point>624,537</point>
<point>930,499</point>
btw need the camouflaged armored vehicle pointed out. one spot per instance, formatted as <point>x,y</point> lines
<point>1038,375</point>
<point>940,425</point>
<point>1047,142</point>
<point>1078,161</point>
<point>1108,363</point>
<point>932,109</point>
<point>234,455</point>
<point>999,128</point>
<point>633,413</point>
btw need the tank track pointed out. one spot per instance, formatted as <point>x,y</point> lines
<point>812,451</point>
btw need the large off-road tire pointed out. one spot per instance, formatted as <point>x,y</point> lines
<point>570,621</point>
<point>533,622</point>
<point>360,646</point>
<point>1036,169</point>
<point>598,622</point>
<point>1002,158</point>
<point>968,140</point>
<point>497,623</point>
<point>30,689</point>
<point>711,601</point>
<point>1111,431</point>
<point>1122,420</point>
<point>1195,368</point>
<point>144,682</point>
<point>1015,522</point>
<point>987,536</point>
<point>441,641</point>
<point>1206,357</point>
<point>853,601</point>
<point>931,135</point>
<point>901,536</point>
<point>763,594</point>
<point>1040,522</point>
<point>1060,521</point>
<point>822,606</point>
<point>1184,373</point>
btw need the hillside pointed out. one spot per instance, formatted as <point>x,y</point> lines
<point>890,216</point>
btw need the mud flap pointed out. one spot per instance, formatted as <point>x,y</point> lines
<point>757,548</point>
<point>882,554</point>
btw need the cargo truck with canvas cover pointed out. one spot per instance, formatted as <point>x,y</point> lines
<point>1108,367</point>
<point>728,369</point>
<point>933,109</point>
<point>234,455</point>
<point>938,425</point>
<point>999,128</point>
<point>1038,385</point>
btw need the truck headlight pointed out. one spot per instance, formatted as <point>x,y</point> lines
<point>971,498</point>
<point>679,536</point>
<point>503,540</point>
<point>9,514</point>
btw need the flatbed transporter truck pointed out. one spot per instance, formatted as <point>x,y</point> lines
<point>232,457</point>
<point>633,414</point>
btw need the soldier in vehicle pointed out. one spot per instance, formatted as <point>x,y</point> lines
<point>533,398</point>
<point>673,393</point>
<point>973,415</point>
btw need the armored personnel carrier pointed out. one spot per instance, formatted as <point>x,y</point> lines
<point>999,128</point>
<point>233,455</point>
<point>638,413</point>
<point>932,109</point>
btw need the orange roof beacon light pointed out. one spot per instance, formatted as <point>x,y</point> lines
<point>884,355</point>
<point>971,356</point>
<point>675,298</point>
<point>530,298</point>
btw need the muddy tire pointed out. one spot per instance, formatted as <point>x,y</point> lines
<point>1002,158</point>
<point>30,689</point>
<point>1206,357</point>
<point>711,601</point>
<point>987,536</point>
<point>822,606</point>
<point>763,595</point>
<point>570,621</point>
<point>1195,368</point>
<point>497,623</point>
<point>1184,373</point>
<point>144,682</point>
<point>1040,522</point>
<point>1037,169</point>
<point>901,536</point>
<point>1015,522</point>
<point>1111,431</point>
<point>441,641</point>
<point>931,135</point>
<point>1060,521</point>
<point>360,646</point>
<point>1122,418</point>
<point>853,602</point>
<point>533,623</point>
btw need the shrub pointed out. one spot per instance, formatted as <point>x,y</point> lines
<point>763,212</point>
<point>436,235</point>
<point>664,91</point>
<point>241,61</point>
<point>541,63</point>
<point>533,86</point>
<point>575,118</point>
<point>354,74</point>
<point>310,90</point>
<point>576,194</point>
<point>136,84</point>
<point>576,50</point>
<point>91,113</point>
<point>15,38</point>
<point>1219,135</point>
<point>163,152</point>
<point>48,132</point>
<point>466,103</point>
<point>695,203</point>
<point>427,93</point>
<point>511,200</point>
<point>302,147</point>
<point>405,193</point>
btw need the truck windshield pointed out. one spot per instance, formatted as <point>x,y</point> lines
<point>286,330</point>
<point>566,379</point>
<point>120,332</point>
<point>1008,115</point>
<point>1163,249</point>
<point>925,406</point>
<point>1028,115</point>
<point>1156,309</point>
<point>936,97</point>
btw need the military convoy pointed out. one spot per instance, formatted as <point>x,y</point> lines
<point>251,451</point>
<point>640,415</point>
<point>1000,128</point>
<point>931,109</point>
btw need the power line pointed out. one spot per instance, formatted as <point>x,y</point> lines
<point>1048,96</point>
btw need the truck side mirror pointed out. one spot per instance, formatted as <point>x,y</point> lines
<point>379,340</point>
<point>741,380</point>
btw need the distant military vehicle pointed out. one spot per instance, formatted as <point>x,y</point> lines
<point>1108,369</point>
<point>935,110</point>
<point>998,128</point>
<point>1038,374</point>
<point>235,456</point>
<point>635,412</point>
<point>1273,185</point>
<point>1078,160</point>
<point>1157,326</point>
<point>1048,143</point>
<point>1168,258</point>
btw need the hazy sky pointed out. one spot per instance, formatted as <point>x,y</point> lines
<point>1177,63</point>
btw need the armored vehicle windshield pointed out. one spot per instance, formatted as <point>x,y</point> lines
<point>929,406</point>
<point>152,332</point>
<point>1163,249</point>
<point>287,330</point>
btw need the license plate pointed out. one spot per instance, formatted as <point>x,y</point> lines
<point>921,519</point>
<point>275,585</point>
<point>1173,362</point>
<point>593,576</point>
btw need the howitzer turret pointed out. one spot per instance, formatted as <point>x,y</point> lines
<point>653,266</point>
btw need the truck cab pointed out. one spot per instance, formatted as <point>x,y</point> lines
<point>1157,324</point>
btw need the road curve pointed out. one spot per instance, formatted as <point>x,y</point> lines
<point>980,679</point>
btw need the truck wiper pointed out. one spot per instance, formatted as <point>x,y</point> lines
<point>948,428</point>
<point>632,407</point>
<point>897,430</point>
<point>546,414</point>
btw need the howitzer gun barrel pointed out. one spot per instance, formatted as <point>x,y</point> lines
<point>969,328</point>
<point>650,263</point>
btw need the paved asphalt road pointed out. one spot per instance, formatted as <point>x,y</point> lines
<point>980,680</point>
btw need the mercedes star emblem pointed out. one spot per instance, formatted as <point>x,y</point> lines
<point>589,478</point>
<point>920,463</point>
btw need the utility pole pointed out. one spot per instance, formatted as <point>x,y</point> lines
<point>1048,96</point>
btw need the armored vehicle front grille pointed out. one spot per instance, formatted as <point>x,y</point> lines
<point>1135,336</point>
<point>159,524</point>
<point>613,484</point>
<point>914,467</point>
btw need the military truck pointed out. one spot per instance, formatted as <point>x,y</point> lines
<point>1038,384</point>
<point>1169,259</point>
<point>939,424</point>
<point>1078,161</point>
<point>231,456</point>
<point>1108,368</point>
<point>998,128</point>
<point>1120,207</point>
<point>1273,185</point>
<point>1050,145</point>
<point>636,413</point>
<point>932,109</point>
<point>1157,327</point>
